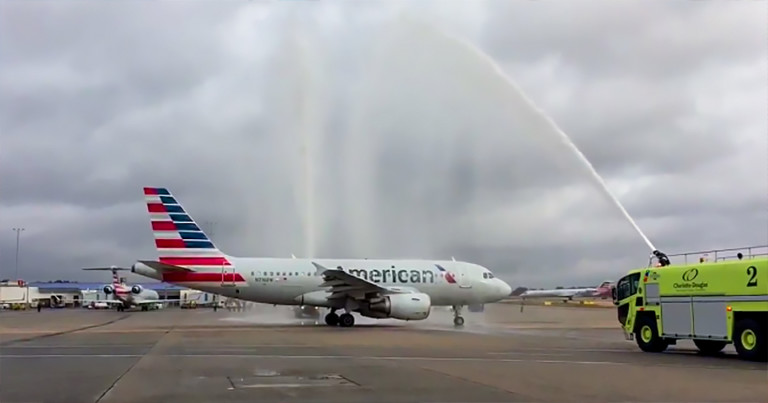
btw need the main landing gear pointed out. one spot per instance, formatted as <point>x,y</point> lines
<point>343,320</point>
<point>457,319</point>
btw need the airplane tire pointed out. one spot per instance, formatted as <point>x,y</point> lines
<point>331,319</point>
<point>346,320</point>
<point>458,321</point>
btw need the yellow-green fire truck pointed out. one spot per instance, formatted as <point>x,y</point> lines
<point>711,303</point>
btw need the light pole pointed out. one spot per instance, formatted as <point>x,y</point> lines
<point>18,234</point>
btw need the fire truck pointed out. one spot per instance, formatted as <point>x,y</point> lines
<point>711,303</point>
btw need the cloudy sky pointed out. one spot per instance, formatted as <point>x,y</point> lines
<point>422,139</point>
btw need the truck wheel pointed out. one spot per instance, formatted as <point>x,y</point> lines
<point>750,339</point>
<point>710,347</point>
<point>647,336</point>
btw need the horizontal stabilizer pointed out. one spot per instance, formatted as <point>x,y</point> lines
<point>111,268</point>
<point>164,267</point>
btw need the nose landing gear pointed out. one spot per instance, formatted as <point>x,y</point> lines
<point>458,321</point>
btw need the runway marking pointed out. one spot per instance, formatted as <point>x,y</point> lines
<point>383,358</point>
<point>573,350</point>
<point>532,353</point>
<point>305,357</point>
<point>286,385</point>
<point>69,331</point>
<point>108,391</point>
<point>145,345</point>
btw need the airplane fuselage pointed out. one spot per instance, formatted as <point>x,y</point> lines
<point>129,299</point>
<point>298,282</point>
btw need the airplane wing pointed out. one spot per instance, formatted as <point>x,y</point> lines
<point>347,285</point>
<point>156,301</point>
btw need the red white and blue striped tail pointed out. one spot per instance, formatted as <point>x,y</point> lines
<point>179,240</point>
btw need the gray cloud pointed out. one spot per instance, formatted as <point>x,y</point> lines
<point>418,147</point>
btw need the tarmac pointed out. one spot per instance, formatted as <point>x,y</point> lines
<point>545,353</point>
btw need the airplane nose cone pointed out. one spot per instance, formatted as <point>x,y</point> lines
<point>504,290</point>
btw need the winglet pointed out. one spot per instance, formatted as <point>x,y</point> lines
<point>320,268</point>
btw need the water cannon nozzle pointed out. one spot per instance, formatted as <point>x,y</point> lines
<point>662,258</point>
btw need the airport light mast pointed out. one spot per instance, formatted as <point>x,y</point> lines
<point>18,235</point>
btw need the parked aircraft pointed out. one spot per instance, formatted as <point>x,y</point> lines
<point>129,296</point>
<point>375,288</point>
<point>602,291</point>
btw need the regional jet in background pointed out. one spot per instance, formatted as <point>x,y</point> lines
<point>126,296</point>
<point>400,289</point>
<point>601,291</point>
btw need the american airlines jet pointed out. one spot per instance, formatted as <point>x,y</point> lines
<point>401,289</point>
<point>128,296</point>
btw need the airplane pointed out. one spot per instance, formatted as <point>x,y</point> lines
<point>602,291</point>
<point>375,288</point>
<point>127,297</point>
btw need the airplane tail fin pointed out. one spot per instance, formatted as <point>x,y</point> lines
<point>178,238</point>
<point>116,280</point>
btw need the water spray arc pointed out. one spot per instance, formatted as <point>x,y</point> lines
<point>662,258</point>
<point>308,120</point>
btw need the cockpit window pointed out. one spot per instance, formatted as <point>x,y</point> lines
<point>487,275</point>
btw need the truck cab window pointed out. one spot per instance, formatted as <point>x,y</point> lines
<point>627,286</point>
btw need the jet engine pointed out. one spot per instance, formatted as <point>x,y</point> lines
<point>137,289</point>
<point>108,289</point>
<point>414,306</point>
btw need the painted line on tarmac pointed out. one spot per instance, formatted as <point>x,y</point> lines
<point>572,350</point>
<point>523,351</point>
<point>312,357</point>
<point>389,358</point>
<point>68,331</point>
<point>533,353</point>
<point>220,347</point>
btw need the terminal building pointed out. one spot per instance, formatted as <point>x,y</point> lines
<point>75,294</point>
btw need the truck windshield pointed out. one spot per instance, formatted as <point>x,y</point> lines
<point>627,286</point>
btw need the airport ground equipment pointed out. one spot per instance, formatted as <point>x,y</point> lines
<point>712,303</point>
